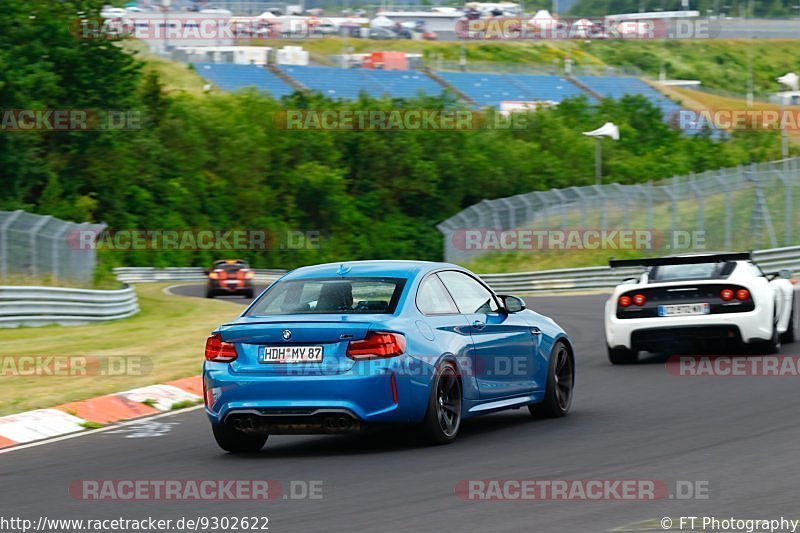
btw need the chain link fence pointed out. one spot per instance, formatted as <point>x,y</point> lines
<point>248,7</point>
<point>42,249</point>
<point>737,209</point>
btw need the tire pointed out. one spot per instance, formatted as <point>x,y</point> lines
<point>770,346</point>
<point>234,441</point>
<point>560,384</point>
<point>248,293</point>
<point>209,292</point>
<point>788,335</point>
<point>443,417</point>
<point>622,356</point>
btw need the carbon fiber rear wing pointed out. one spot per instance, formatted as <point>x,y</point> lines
<point>680,260</point>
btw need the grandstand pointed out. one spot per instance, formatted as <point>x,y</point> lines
<point>229,77</point>
<point>483,88</point>
<point>349,83</point>
<point>488,89</point>
<point>618,86</point>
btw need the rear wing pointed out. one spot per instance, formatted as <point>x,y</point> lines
<point>681,260</point>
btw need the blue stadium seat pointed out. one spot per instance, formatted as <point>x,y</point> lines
<point>618,86</point>
<point>543,87</point>
<point>484,88</point>
<point>404,83</point>
<point>229,77</point>
<point>348,83</point>
<point>488,89</point>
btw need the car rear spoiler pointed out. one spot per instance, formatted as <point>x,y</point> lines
<point>680,260</point>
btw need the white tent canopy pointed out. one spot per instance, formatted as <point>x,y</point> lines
<point>381,22</point>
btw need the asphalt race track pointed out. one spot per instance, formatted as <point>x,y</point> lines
<point>739,435</point>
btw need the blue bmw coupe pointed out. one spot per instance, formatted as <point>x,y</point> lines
<point>334,348</point>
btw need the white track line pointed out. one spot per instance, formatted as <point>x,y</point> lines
<point>168,291</point>
<point>99,430</point>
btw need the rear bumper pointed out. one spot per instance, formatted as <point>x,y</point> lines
<point>364,393</point>
<point>657,338</point>
<point>294,421</point>
<point>240,286</point>
<point>649,333</point>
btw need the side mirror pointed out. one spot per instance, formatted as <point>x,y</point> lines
<point>628,281</point>
<point>785,273</point>
<point>512,304</point>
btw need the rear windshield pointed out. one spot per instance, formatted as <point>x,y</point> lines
<point>330,295</point>
<point>229,267</point>
<point>717,270</point>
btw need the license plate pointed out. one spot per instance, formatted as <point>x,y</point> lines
<point>683,309</point>
<point>292,354</point>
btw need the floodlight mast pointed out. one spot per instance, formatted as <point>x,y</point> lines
<point>609,129</point>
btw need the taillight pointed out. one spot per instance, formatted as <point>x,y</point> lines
<point>218,350</point>
<point>639,299</point>
<point>726,295</point>
<point>249,274</point>
<point>624,301</point>
<point>742,294</point>
<point>377,345</point>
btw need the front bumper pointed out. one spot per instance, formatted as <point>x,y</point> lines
<point>648,333</point>
<point>365,392</point>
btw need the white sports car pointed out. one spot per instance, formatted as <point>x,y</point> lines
<point>684,300</point>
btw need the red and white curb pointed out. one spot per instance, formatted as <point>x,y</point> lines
<point>72,417</point>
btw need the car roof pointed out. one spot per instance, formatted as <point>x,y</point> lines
<point>382,268</point>
<point>230,262</point>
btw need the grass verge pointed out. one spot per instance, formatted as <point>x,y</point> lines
<point>167,338</point>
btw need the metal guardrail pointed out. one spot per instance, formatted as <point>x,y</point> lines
<point>40,306</point>
<point>603,277</point>
<point>544,281</point>
<point>151,274</point>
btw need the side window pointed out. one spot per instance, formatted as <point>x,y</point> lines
<point>471,297</point>
<point>432,298</point>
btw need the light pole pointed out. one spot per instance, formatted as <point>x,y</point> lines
<point>792,81</point>
<point>165,4</point>
<point>609,129</point>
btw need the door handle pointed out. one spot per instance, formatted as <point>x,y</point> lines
<point>535,331</point>
<point>479,324</point>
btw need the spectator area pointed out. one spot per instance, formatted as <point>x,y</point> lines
<point>618,86</point>
<point>485,89</point>
<point>348,83</point>
<point>488,89</point>
<point>229,77</point>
